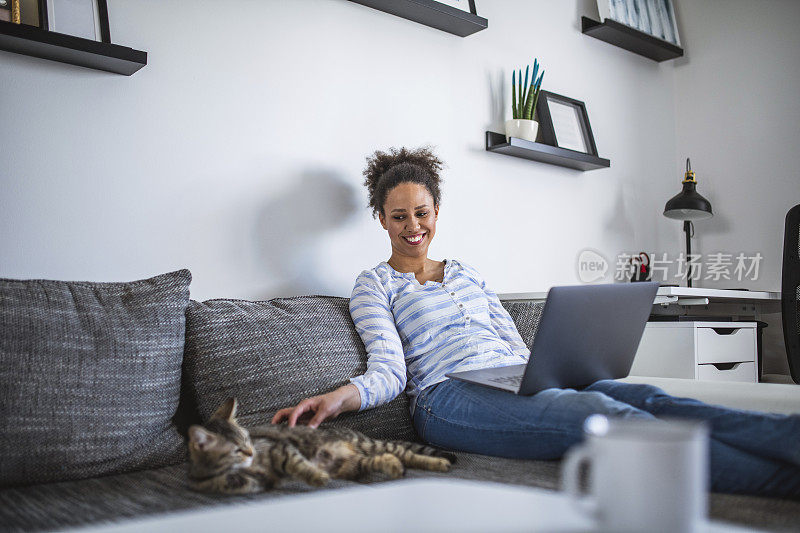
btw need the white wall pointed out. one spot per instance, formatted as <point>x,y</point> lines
<point>237,151</point>
<point>738,118</point>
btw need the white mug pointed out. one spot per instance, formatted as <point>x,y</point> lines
<point>645,475</point>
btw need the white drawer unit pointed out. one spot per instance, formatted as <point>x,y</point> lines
<point>711,351</point>
<point>727,372</point>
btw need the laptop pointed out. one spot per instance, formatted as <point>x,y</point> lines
<point>586,333</point>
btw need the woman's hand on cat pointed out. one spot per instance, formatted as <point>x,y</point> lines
<point>323,407</point>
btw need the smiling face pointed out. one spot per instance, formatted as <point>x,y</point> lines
<point>409,216</point>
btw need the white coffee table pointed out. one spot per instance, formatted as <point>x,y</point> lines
<point>402,506</point>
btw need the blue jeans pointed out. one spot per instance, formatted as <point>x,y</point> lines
<point>752,453</point>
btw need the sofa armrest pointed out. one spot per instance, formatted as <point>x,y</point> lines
<point>766,397</point>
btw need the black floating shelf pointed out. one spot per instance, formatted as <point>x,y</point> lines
<point>32,41</point>
<point>544,153</point>
<point>431,13</point>
<point>631,39</point>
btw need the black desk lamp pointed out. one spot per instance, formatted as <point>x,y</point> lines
<point>688,205</point>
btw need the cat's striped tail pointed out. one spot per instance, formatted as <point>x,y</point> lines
<point>424,449</point>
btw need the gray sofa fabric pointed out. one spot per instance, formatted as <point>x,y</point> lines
<point>526,316</point>
<point>136,494</point>
<point>270,355</point>
<point>89,376</point>
<point>273,354</point>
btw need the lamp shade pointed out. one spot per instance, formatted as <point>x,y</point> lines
<point>688,204</point>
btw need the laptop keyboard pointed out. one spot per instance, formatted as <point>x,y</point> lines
<point>508,380</point>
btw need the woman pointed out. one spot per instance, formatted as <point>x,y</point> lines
<point>420,319</point>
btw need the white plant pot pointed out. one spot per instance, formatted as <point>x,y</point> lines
<point>522,129</point>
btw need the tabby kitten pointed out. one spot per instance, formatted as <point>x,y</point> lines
<point>227,458</point>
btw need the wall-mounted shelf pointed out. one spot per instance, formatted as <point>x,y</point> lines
<point>630,39</point>
<point>544,153</point>
<point>32,41</point>
<point>431,13</point>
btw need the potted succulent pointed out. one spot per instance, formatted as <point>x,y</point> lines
<point>523,104</point>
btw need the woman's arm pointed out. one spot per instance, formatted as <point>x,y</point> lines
<point>323,407</point>
<point>385,377</point>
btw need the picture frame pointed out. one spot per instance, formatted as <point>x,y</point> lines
<point>29,13</point>
<point>653,17</point>
<point>564,122</point>
<point>463,5</point>
<point>87,19</point>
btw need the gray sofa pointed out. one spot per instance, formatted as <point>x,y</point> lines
<point>99,382</point>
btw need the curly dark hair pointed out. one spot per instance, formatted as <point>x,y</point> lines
<point>385,171</point>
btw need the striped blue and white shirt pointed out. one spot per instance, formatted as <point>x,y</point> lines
<point>415,334</point>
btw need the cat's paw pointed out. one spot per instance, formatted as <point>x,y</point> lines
<point>440,464</point>
<point>318,479</point>
<point>392,466</point>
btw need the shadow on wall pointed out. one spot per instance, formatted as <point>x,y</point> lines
<point>619,222</point>
<point>587,8</point>
<point>719,224</point>
<point>291,226</point>
<point>497,101</point>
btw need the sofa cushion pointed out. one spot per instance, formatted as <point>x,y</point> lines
<point>89,376</point>
<point>137,494</point>
<point>272,354</point>
<point>526,316</point>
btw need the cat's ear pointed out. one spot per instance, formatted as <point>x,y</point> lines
<point>227,411</point>
<point>199,437</point>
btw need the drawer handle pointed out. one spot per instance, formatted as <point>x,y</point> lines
<point>725,366</point>
<point>725,331</point>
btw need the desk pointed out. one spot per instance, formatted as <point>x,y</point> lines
<point>691,341</point>
<point>738,305</point>
<point>690,296</point>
